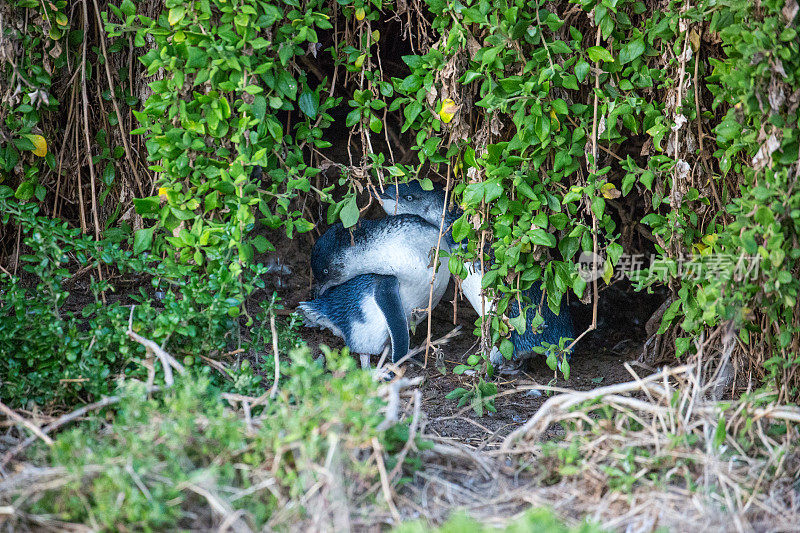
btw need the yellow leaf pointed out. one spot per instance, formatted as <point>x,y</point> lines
<point>176,15</point>
<point>360,13</point>
<point>710,239</point>
<point>554,118</point>
<point>162,191</point>
<point>376,36</point>
<point>360,61</point>
<point>694,40</point>
<point>449,110</point>
<point>609,191</point>
<point>40,145</point>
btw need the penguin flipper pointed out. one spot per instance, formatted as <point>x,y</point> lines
<point>387,296</point>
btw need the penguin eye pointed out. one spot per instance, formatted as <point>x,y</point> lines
<point>324,270</point>
<point>409,197</point>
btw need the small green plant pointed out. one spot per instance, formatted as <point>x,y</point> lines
<point>539,520</point>
<point>165,458</point>
<point>53,354</point>
<point>480,396</point>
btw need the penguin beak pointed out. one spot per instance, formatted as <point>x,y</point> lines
<point>387,199</point>
<point>319,290</point>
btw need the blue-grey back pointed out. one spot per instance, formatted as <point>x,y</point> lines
<point>554,327</point>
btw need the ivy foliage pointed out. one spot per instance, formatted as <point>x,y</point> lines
<point>577,116</point>
<point>216,110</point>
<point>563,127</point>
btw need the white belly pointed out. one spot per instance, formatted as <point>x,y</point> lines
<point>371,334</point>
<point>471,287</point>
<point>416,294</point>
<point>409,264</point>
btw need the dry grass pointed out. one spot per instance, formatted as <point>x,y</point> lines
<point>644,454</point>
<point>633,456</point>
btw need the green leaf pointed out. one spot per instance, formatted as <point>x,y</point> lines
<point>540,237</point>
<point>598,53</point>
<point>411,112</point>
<point>507,348</point>
<point>647,178</point>
<point>287,84</point>
<point>309,104</point>
<point>542,128</point>
<point>349,213</point>
<point>375,123</point>
<point>456,393</point>
<point>461,228</point>
<point>25,190</point>
<point>631,50</point>
<point>569,82</point>
<point>581,70</point>
<point>128,8</point>
<point>259,107</point>
<point>262,244</point>
<point>145,206</point>
<point>519,323</point>
<point>352,118</point>
<point>142,240</point>
<point>681,345</point>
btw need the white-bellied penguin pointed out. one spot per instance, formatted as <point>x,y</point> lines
<point>411,198</point>
<point>397,247</point>
<point>366,311</point>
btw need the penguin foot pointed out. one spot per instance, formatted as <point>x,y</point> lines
<point>502,365</point>
<point>364,361</point>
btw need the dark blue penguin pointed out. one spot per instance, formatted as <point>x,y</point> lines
<point>400,246</point>
<point>410,198</point>
<point>366,311</point>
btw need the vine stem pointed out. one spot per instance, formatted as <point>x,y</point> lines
<point>595,293</point>
<point>122,133</point>
<point>88,154</point>
<point>436,264</point>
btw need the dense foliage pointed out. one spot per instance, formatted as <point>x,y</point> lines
<point>151,153</point>
<point>563,128</point>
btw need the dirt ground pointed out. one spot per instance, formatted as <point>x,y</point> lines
<point>597,361</point>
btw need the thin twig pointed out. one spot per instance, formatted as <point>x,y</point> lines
<point>66,419</point>
<point>167,361</point>
<point>274,390</point>
<point>436,266</point>
<point>387,491</point>
<point>111,87</point>
<point>25,422</point>
<point>563,402</point>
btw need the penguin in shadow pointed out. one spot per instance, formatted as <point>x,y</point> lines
<point>374,282</point>
<point>411,198</point>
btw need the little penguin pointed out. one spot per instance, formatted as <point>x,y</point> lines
<point>401,246</point>
<point>411,198</point>
<point>366,311</point>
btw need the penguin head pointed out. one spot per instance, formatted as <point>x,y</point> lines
<point>327,259</point>
<point>411,198</point>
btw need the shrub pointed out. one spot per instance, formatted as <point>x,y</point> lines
<point>179,458</point>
